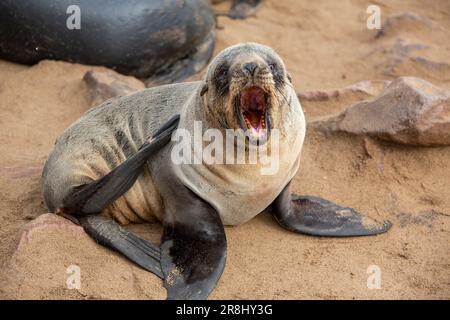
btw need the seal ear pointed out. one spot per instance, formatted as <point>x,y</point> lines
<point>288,76</point>
<point>204,89</point>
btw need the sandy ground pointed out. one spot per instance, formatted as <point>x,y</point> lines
<point>325,44</point>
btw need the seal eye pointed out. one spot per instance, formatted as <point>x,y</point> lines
<point>223,75</point>
<point>276,74</point>
<point>272,67</point>
<point>221,80</point>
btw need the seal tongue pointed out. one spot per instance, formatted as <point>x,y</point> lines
<point>253,108</point>
<point>258,132</point>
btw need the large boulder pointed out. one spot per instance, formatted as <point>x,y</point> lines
<point>410,111</point>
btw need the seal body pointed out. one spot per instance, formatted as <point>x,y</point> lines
<point>108,134</point>
<point>161,40</point>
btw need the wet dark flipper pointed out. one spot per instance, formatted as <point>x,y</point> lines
<point>315,216</point>
<point>110,234</point>
<point>242,9</point>
<point>167,128</point>
<point>193,250</point>
<point>94,197</point>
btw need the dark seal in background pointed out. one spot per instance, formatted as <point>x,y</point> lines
<point>165,41</point>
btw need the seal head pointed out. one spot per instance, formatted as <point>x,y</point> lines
<point>246,86</point>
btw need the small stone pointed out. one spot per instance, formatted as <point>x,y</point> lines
<point>45,222</point>
<point>104,85</point>
<point>369,87</point>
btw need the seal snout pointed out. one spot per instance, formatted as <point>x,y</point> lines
<point>250,67</point>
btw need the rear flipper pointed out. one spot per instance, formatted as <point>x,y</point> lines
<point>319,217</point>
<point>110,234</point>
<point>242,9</point>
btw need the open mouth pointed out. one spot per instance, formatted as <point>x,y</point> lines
<point>252,109</point>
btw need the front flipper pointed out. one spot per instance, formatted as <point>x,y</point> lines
<point>95,196</point>
<point>319,217</point>
<point>193,250</point>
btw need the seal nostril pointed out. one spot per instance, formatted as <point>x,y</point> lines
<point>250,67</point>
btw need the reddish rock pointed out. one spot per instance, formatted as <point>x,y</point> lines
<point>104,85</point>
<point>369,87</point>
<point>410,111</point>
<point>404,21</point>
<point>49,251</point>
<point>46,222</point>
<point>389,58</point>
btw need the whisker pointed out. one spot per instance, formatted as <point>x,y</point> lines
<point>284,97</point>
<point>288,84</point>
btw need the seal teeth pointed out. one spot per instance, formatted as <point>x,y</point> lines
<point>247,123</point>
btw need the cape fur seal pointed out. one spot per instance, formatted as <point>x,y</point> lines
<point>106,163</point>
